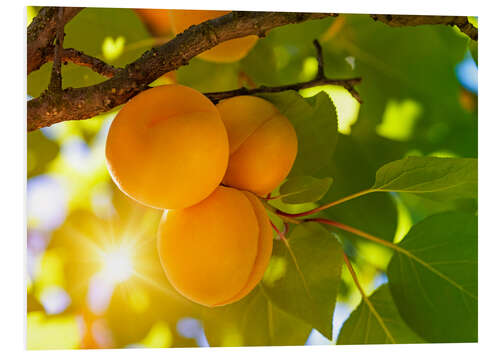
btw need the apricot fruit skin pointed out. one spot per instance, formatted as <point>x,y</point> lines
<point>167,147</point>
<point>215,252</point>
<point>262,144</point>
<point>156,20</point>
<point>225,52</point>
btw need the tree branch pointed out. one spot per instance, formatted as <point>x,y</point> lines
<point>319,80</point>
<point>346,83</point>
<point>81,59</point>
<point>42,32</point>
<point>86,102</point>
<point>416,20</point>
<point>55,84</point>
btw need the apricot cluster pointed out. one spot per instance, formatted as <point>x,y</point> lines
<point>171,148</point>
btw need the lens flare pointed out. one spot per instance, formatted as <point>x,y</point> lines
<point>117,264</point>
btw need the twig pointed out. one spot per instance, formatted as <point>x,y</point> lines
<point>55,84</point>
<point>319,80</point>
<point>346,83</point>
<point>82,59</point>
<point>321,62</point>
<point>462,22</point>
<point>42,32</point>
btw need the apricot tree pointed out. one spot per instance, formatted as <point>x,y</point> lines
<point>277,205</point>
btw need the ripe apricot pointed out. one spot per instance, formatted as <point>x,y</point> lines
<point>262,144</point>
<point>167,147</point>
<point>156,20</point>
<point>228,51</point>
<point>215,252</point>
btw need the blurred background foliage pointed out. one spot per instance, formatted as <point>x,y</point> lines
<point>94,279</point>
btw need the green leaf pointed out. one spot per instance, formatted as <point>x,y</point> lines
<point>353,172</point>
<point>304,280</point>
<point>40,153</point>
<point>302,189</point>
<point>433,177</point>
<point>207,76</point>
<point>253,321</point>
<point>363,327</point>
<point>407,63</point>
<point>433,278</point>
<point>292,46</point>
<point>315,121</point>
<point>473,51</point>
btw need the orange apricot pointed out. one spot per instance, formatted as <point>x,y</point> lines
<point>262,144</point>
<point>226,52</point>
<point>215,252</point>
<point>156,20</point>
<point>167,147</point>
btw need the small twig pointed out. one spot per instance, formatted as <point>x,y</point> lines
<point>82,59</point>
<point>319,57</point>
<point>346,83</point>
<point>55,84</point>
<point>319,80</point>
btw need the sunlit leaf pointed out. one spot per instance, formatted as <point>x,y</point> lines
<point>253,321</point>
<point>473,51</point>
<point>61,332</point>
<point>353,172</point>
<point>436,178</point>
<point>363,327</point>
<point>315,121</point>
<point>433,278</point>
<point>309,286</point>
<point>301,189</point>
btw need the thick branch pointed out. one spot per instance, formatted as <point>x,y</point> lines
<point>42,32</point>
<point>86,102</point>
<point>415,20</point>
<point>55,84</point>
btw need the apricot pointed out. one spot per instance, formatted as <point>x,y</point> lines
<point>167,147</point>
<point>226,52</point>
<point>156,20</point>
<point>215,252</point>
<point>262,144</point>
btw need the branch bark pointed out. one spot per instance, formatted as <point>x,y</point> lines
<point>42,32</point>
<point>55,84</point>
<point>82,59</point>
<point>86,102</point>
<point>416,20</point>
